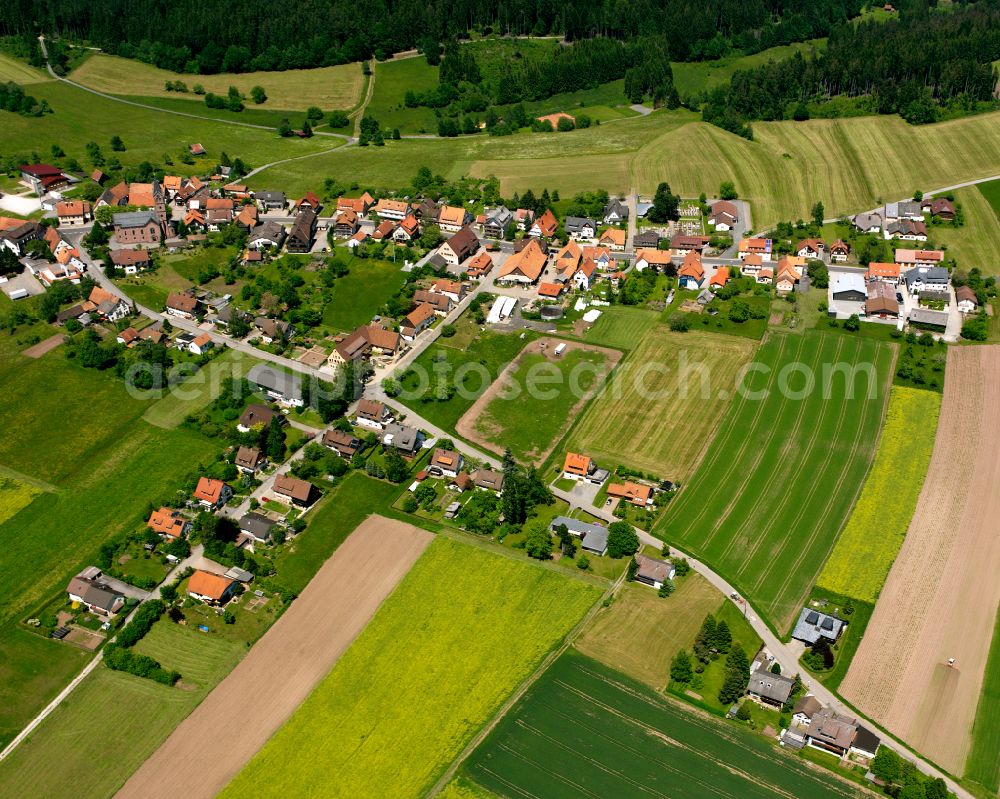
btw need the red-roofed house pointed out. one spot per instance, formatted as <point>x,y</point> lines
<point>545,226</point>
<point>212,589</point>
<point>720,278</point>
<point>169,523</point>
<point>212,493</point>
<point>74,212</point>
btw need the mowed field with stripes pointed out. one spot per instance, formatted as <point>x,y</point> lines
<point>768,501</point>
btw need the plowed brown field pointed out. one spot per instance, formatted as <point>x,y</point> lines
<point>208,749</point>
<point>943,590</point>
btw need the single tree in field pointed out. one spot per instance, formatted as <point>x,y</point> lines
<point>680,667</point>
<point>818,213</point>
<point>117,144</point>
<point>258,95</point>
<point>622,540</point>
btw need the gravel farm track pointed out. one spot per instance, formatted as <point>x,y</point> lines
<point>942,593</point>
<point>212,744</point>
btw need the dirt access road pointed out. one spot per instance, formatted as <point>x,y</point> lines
<point>942,593</point>
<point>469,426</point>
<point>210,747</point>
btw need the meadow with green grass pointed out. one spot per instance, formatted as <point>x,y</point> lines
<point>695,77</point>
<point>432,397</point>
<point>554,389</point>
<point>785,439</point>
<point>406,697</point>
<point>361,293</point>
<point>881,516</point>
<point>329,88</point>
<point>621,326</point>
<point>393,79</point>
<point>975,243</point>
<point>664,402</point>
<point>983,766</point>
<point>130,716</point>
<point>584,729</point>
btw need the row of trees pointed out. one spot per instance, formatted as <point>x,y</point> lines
<point>313,33</point>
<point>14,99</point>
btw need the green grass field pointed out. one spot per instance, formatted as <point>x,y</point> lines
<point>640,633</point>
<point>296,89</point>
<point>621,326</point>
<point>443,652</point>
<point>663,403</point>
<point>129,715</point>
<point>586,730</point>
<point>11,69</point>
<point>694,77</point>
<point>198,390</point>
<point>551,389</point>
<point>492,351</point>
<point>14,496</point>
<point>80,117</point>
<point>329,524</point>
<point>778,482</point>
<point>393,79</point>
<point>983,767</point>
<point>880,519</point>
<point>358,296</point>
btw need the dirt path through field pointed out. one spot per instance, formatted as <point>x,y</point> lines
<point>942,593</point>
<point>210,747</point>
<point>467,425</point>
<point>42,347</point>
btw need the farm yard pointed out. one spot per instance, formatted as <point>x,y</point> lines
<point>940,600</point>
<point>90,745</point>
<point>200,756</point>
<point>406,697</point>
<point>663,404</point>
<point>640,633</point>
<point>783,440</point>
<point>586,730</point>
<point>878,523</point>
<point>551,389</point>
<point>329,88</point>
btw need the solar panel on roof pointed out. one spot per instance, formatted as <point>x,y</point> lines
<point>827,623</point>
<point>812,618</point>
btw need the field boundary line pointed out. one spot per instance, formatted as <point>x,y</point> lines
<point>522,689</point>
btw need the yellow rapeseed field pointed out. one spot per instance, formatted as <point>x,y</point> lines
<point>860,561</point>
<point>442,654</point>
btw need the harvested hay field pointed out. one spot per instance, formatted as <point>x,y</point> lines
<point>549,389</point>
<point>653,415</point>
<point>211,746</point>
<point>942,594</point>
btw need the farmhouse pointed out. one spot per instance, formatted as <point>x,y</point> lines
<point>212,494</point>
<point>293,491</point>
<point>181,305</point>
<point>255,415</point>
<point>724,215</point>
<point>460,247</point>
<point>652,571</point>
<point>249,460</point>
<point>282,387</point>
<point>446,462</point>
<point>256,526</point>
<point>581,467</point>
<point>770,689</point>
<point>652,258</point>
<point>373,414</point>
<point>89,589</point>
<point>636,493</point>
<point>364,341</point>
<point>343,443</point>
<point>882,300</point>
<point>968,302</point>
<point>212,589</point>
<point>416,321</point>
<point>813,625</point>
<point>593,537</point>
<point>525,266</point>
<point>130,261</point>
<point>169,523</point>
<point>941,208</point>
